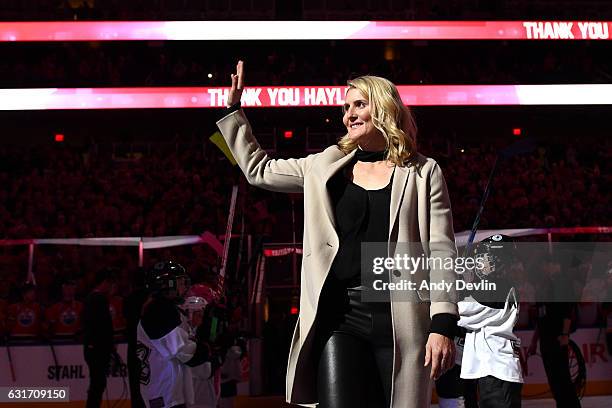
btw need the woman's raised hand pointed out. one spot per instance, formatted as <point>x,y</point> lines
<point>235,92</point>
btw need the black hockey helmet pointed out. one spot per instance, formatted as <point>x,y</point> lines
<point>494,256</point>
<point>163,278</point>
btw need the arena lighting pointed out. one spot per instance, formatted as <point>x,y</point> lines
<point>298,96</point>
<point>517,131</point>
<point>303,30</point>
<point>288,134</point>
<point>295,302</point>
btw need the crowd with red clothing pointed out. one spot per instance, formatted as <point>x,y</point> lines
<point>27,319</point>
<point>65,193</point>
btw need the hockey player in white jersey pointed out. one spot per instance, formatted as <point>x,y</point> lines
<point>205,394</point>
<point>488,353</point>
<point>164,346</point>
<point>491,349</point>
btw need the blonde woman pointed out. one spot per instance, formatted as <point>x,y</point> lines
<point>372,186</point>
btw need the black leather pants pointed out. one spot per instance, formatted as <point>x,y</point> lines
<point>356,357</point>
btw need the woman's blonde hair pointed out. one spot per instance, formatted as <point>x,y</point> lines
<point>389,115</point>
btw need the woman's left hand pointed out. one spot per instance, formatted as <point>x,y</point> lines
<point>440,352</point>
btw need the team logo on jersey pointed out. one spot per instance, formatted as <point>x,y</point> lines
<point>142,352</point>
<point>68,317</point>
<point>26,318</point>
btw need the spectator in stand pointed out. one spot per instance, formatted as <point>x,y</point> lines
<point>25,317</point>
<point>79,9</point>
<point>65,192</point>
<point>63,319</point>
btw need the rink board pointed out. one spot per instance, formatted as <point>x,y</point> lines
<point>34,366</point>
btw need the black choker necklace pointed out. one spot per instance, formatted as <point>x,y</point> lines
<point>366,156</point>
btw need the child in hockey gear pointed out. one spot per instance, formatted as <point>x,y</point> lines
<point>490,349</point>
<point>205,395</point>
<point>164,346</point>
<point>194,307</point>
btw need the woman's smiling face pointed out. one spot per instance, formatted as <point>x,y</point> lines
<point>357,117</point>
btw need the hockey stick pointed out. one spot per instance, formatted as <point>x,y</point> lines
<point>10,359</point>
<point>49,341</point>
<point>515,149</point>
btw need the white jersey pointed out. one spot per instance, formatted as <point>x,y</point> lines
<point>490,346</point>
<point>204,387</point>
<point>165,380</point>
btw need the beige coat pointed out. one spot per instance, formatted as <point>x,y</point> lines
<point>420,212</point>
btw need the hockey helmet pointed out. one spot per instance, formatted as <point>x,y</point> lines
<point>203,291</point>
<point>494,256</point>
<point>194,303</point>
<point>164,279</point>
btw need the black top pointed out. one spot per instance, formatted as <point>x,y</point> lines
<point>97,323</point>
<point>361,216</point>
<point>160,317</point>
<point>132,306</point>
<point>557,292</point>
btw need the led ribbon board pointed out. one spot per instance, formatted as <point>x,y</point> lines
<point>303,30</point>
<point>298,96</point>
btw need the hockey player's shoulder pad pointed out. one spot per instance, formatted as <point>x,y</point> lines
<point>160,318</point>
